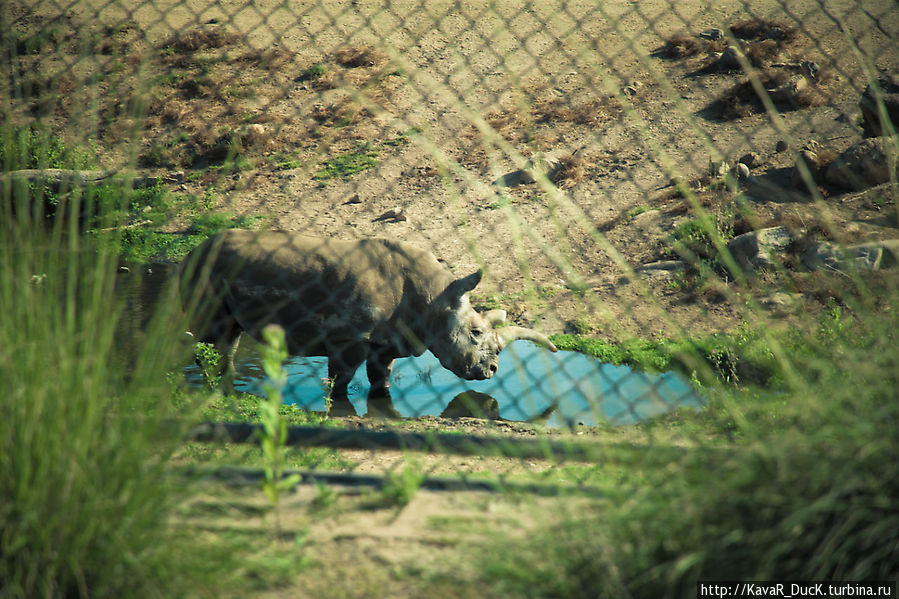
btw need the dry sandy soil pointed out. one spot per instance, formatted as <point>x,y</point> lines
<point>453,96</point>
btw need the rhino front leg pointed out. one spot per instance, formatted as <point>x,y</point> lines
<point>341,368</point>
<point>378,368</point>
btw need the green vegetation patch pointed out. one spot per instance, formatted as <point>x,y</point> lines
<point>346,165</point>
<point>807,492</point>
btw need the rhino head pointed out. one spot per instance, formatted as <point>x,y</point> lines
<point>467,342</point>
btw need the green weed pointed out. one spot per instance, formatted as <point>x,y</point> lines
<point>346,165</point>
<point>400,486</point>
<point>86,433</point>
<point>273,436</point>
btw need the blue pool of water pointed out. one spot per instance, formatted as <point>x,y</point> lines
<point>528,381</point>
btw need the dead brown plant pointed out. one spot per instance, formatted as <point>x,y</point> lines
<point>590,112</point>
<point>572,170</point>
<point>270,58</point>
<point>741,100</point>
<point>201,38</point>
<point>760,29</point>
<point>359,56</point>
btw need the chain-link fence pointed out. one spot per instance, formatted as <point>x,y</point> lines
<point>475,223</point>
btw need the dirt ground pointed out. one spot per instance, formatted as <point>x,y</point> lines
<point>452,96</point>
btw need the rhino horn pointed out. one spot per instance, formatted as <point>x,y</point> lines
<point>510,334</point>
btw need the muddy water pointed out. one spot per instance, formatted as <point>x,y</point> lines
<point>530,380</point>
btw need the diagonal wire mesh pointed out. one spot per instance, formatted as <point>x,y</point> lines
<point>529,222</point>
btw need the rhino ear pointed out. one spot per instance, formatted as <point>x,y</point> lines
<point>460,287</point>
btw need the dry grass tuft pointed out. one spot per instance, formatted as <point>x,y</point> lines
<point>511,125</point>
<point>359,56</point>
<point>572,170</point>
<point>685,46</point>
<point>201,38</point>
<point>591,112</point>
<point>763,29</point>
<point>741,100</point>
<point>339,114</point>
<point>271,58</point>
<point>760,54</point>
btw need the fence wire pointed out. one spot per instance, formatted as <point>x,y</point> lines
<point>513,211</point>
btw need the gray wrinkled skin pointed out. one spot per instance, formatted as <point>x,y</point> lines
<point>352,301</point>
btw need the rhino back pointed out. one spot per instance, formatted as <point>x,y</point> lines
<point>325,291</point>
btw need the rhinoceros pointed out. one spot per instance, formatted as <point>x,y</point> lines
<point>371,300</point>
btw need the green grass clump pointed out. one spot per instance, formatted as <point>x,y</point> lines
<point>741,357</point>
<point>35,146</point>
<point>346,165</point>
<point>808,493</point>
<point>84,436</point>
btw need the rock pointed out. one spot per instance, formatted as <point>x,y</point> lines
<point>761,249</point>
<point>788,93</point>
<point>889,93</point>
<point>662,265</point>
<point>729,60</point>
<point>775,33</point>
<point>255,135</point>
<point>540,164</point>
<point>646,221</point>
<point>395,215</point>
<point>873,255</point>
<point>719,168</point>
<point>751,160</point>
<point>472,404</point>
<point>664,269</point>
<point>781,303</point>
<point>712,34</point>
<point>781,146</point>
<point>862,165</point>
<point>740,172</point>
<point>813,163</point>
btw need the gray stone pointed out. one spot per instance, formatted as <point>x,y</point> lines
<point>788,93</point>
<point>810,159</point>
<point>712,34</point>
<point>472,404</point>
<point>729,60</point>
<point>762,248</point>
<point>751,160</point>
<point>663,265</point>
<point>861,166</point>
<point>740,172</point>
<point>547,165</point>
<point>889,95</point>
<point>663,270</point>
<point>781,303</point>
<point>872,255</point>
